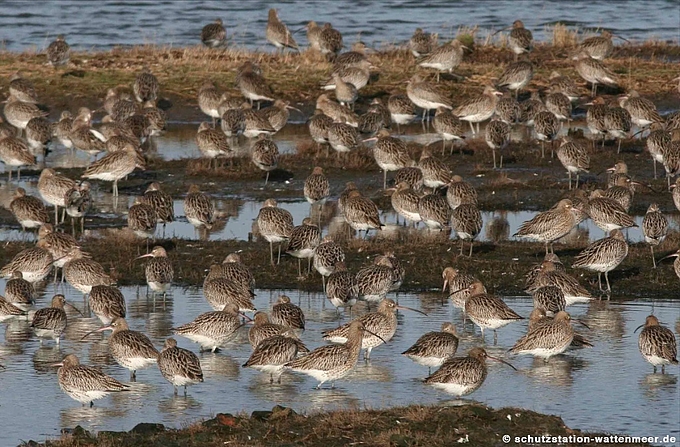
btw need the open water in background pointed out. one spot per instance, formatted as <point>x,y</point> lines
<point>96,25</point>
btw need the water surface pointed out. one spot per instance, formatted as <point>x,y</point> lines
<point>105,24</point>
<point>607,388</point>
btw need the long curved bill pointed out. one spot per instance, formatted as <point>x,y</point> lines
<point>411,309</point>
<point>148,255</point>
<point>375,335</point>
<point>501,361</point>
<point>74,308</point>
<point>101,329</point>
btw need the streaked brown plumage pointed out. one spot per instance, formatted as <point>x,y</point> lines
<point>594,71</point>
<point>265,155</point>
<point>83,383</point>
<point>466,221</point>
<point>330,40</point>
<point>654,228</point>
<point>375,281</point>
<point>303,241</point>
<point>22,89</point>
<point>213,34</point>
<point>434,348</point>
<point>77,202</point>
<point>142,219</point>
<point>550,298</point>
<point>574,158</point>
<point>53,189</point>
<point>50,322</point>
<point>497,136</point>
<point>18,291</point>
<point>329,363</point>
<point>520,39</point>
<point>657,344</point>
<point>29,211</point>
<point>83,273</point>
<point>115,166</point>
<point>595,118</point>
<point>603,256</point>
<point>263,328</point>
<point>14,152</point>
<point>546,127</point>
<point>448,126</point>
<point>179,366</point>
<point>445,57</point>
<point>220,291</point>
<point>277,32</point>
<point>458,285</point>
<point>19,113</point>
<point>460,192</point>
<point>607,213</point>
<point>212,143</point>
<point>550,225</point>
<point>361,213</point>
<point>107,303</point>
<point>426,95</point>
<point>33,263</point>
<point>276,225</point>
<point>146,86</point>
<point>642,111</point>
<point>58,244</point>
<point>316,188</point>
<point>618,123</point>
<point>130,349</point>
<point>9,310</point>
<point>198,208</point>
<point>479,108</point>
<point>435,172</point>
<point>552,272</point>
<point>335,111</point>
<point>288,314</point>
<point>160,201</point>
<point>488,311</point>
<point>252,84</point>
<point>381,325</point>
<point>434,211</point>
<point>212,329</point>
<point>58,52</point>
<point>402,110</point>
<point>598,47</point>
<point>272,353</point>
<point>422,43</point>
<point>405,202</point>
<point>390,154</point>
<point>547,339</point>
<point>462,375</point>
<point>516,76</point>
<point>326,255</point>
<point>563,84</point>
<point>342,289</point>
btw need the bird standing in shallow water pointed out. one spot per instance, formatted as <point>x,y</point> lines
<point>657,344</point>
<point>83,383</point>
<point>434,348</point>
<point>179,366</point>
<point>463,375</point>
<point>603,256</point>
<point>332,362</point>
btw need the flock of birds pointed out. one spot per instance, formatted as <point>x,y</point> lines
<point>418,196</point>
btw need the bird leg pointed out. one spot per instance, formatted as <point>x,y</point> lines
<point>653,260</point>
<point>271,253</point>
<point>493,152</point>
<point>278,260</point>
